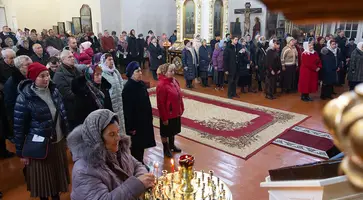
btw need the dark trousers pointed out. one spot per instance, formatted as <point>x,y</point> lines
<point>326,91</point>
<point>205,81</point>
<point>189,83</point>
<point>220,79</point>
<point>352,84</point>
<point>155,75</point>
<point>270,85</point>
<point>232,84</point>
<point>138,154</point>
<point>341,76</point>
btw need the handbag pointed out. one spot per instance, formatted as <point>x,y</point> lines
<point>36,147</point>
<point>210,70</point>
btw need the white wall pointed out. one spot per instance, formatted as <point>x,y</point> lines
<point>39,14</point>
<point>111,15</point>
<point>143,15</point>
<point>240,4</point>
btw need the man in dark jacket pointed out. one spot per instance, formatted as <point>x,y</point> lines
<point>53,41</point>
<point>5,34</point>
<point>6,70</point>
<point>215,41</point>
<point>141,44</point>
<point>63,78</point>
<point>39,55</point>
<point>173,38</point>
<point>260,57</point>
<point>231,66</point>
<point>341,42</point>
<point>273,69</point>
<point>11,86</point>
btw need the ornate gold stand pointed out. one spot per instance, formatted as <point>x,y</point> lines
<point>187,184</point>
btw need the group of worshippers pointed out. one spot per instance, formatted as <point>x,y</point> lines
<point>297,67</point>
<point>43,100</point>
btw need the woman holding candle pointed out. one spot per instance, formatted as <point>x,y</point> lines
<point>171,107</point>
<point>104,168</point>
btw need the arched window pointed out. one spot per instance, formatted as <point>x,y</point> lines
<point>189,19</point>
<point>218,17</point>
<point>86,18</point>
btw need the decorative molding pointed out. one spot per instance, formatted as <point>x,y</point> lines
<point>180,17</point>
<point>211,19</point>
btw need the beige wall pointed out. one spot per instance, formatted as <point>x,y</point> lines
<point>39,14</point>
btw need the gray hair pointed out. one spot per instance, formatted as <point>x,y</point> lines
<point>6,52</point>
<point>64,54</point>
<point>19,61</point>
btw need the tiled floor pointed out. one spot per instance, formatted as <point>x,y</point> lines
<point>243,177</point>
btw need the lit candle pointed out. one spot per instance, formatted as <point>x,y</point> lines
<point>156,170</point>
<point>179,168</point>
<point>172,165</point>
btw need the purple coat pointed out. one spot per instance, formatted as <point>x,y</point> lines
<point>218,59</point>
<point>98,174</point>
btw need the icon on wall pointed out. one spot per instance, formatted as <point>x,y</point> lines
<point>77,25</point>
<point>61,28</point>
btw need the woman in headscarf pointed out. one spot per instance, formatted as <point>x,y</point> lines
<point>204,59</point>
<point>190,63</point>
<point>113,76</point>
<point>91,93</point>
<point>40,127</point>
<point>170,106</point>
<point>331,61</point>
<point>24,48</point>
<point>289,62</point>
<point>309,71</point>
<point>260,61</point>
<point>122,53</point>
<point>132,48</point>
<point>355,73</point>
<point>196,44</point>
<point>218,65</point>
<point>138,112</point>
<point>155,56</point>
<point>104,168</point>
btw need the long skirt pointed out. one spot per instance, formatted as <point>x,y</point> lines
<point>244,81</point>
<point>289,77</point>
<point>172,129</point>
<point>50,176</point>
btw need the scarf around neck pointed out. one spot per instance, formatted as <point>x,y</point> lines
<point>193,54</point>
<point>334,51</point>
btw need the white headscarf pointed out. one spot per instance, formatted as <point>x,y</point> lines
<point>105,68</point>
<point>84,46</point>
<point>359,46</point>
<point>306,48</point>
<point>331,49</point>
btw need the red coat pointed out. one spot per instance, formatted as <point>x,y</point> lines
<point>169,98</point>
<point>108,43</point>
<point>309,77</point>
<point>85,57</point>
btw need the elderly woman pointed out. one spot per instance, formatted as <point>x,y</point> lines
<point>40,127</point>
<point>122,53</point>
<point>24,49</point>
<point>91,93</point>
<point>132,48</point>
<point>309,71</point>
<point>218,65</point>
<point>289,62</point>
<point>355,73</point>
<point>190,63</point>
<point>104,168</point>
<point>113,76</point>
<point>204,61</point>
<point>138,112</point>
<point>156,55</point>
<point>171,107</point>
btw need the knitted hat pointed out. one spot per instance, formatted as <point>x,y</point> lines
<point>131,67</point>
<point>289,39</point>
<point>34,70</point>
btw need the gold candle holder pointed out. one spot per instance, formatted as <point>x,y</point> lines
<point>186,162</point>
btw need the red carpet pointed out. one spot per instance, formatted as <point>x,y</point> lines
<point>235,127</point>
<point>306,140</point>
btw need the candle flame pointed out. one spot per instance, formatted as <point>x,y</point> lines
<point>172,162</point>
<point>178,168</point>
<point>156,165</point>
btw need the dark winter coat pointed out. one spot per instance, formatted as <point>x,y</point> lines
<point>243,62</point>
<point>169,98</point>
<point>154,52</point>
<point>213,44</point>
<point>204,58</point>
<point>218,59</point>
<point>318,48</point>
<point>63,78</point>
<point>11,92</point>
<point>141,46</point>
<point>331,63</point>
<point>252,49</point>
<point>355,72</point>
<point>260,57</point>
<point>5,72</point>
<point>33,117</point>
<point>22,51</point>
<point>342,42</point>
<point>96,46</point>
<point>230,59</point>
<point>273,62</point>
<point>132,47</point>
<point>350,48</point>
<point>84,101</point>
<point>3,37</point>
<point>54,42</point>
<point>190,69</point>
<point>138,114</point>
<point>172,39</point>
<point>42,60</point>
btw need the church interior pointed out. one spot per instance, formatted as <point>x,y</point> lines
<point>244,146</point>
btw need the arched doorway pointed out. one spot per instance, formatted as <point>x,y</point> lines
<point>86,18</point>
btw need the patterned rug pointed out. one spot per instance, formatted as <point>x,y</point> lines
<point>235,127</point>
<point>306,140</point>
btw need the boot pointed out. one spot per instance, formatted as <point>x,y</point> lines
<point>167,151</point>
<point>173,148</point>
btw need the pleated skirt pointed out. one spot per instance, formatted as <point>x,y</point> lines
<point>50,176</point>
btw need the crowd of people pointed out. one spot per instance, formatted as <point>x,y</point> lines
<point>59,91</point>
<point>294,65</point>
<point>59,94</point>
